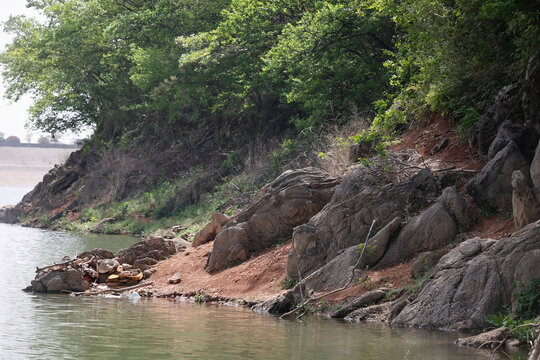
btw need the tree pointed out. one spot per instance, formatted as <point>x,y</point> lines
<point>13,140</point>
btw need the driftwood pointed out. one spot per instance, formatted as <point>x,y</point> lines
<point>91,293</point>
<point>69,262</point>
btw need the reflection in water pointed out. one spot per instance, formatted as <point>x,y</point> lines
<point>63,327</point>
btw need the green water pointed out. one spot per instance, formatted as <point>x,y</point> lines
<point>64,327</point>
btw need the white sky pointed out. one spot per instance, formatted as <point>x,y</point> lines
<point>13,116</point>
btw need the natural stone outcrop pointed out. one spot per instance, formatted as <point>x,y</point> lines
<point>290,200</point>
<point>488,339</point>
<point>430,230</point>
<point>462,212</point>
<point>426,261</point>
<point>493,186</point>
<point>209,232</point>
<point>475,280</point>
<point>535,352</point>
<point>60,280</point>
<point>346,219</point>
<point>507,106</point>
<point>535,169</point>
<point>281,304</point>
<point>524,137</point>
<point>368,298</point>
<point>525,205</point>
<point>154,248</point>
<point>337,272</point>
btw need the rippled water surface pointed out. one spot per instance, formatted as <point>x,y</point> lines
<point>63,327</point>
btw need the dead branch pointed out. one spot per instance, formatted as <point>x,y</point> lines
<point>69,262</point>
<point>86,293</point>
<point>351,278</point>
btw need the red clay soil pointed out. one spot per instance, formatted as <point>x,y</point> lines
<point>259,278</point>
<point>426,135</point>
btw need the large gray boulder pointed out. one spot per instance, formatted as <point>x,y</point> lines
<point>525,205</point>
<point>535,352</point>
<point>60,281</point>
<point>475,280</point>
<point>525,138</point>
<point>155,248</point>
<point>346,219</point>
<point>535,169</point>
<point>493,186</point>
<point>430,230</point>
<point>209,232</point>
<point>337,272</point>
<point>461,211</point>
<point>290,200</point>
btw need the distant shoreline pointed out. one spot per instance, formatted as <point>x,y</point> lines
<point>47,146</point>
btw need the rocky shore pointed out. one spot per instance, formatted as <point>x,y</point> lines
<point>342,239</point>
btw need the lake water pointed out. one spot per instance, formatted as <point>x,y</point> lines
<point>63,327</point>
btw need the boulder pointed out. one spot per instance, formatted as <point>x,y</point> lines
<point>280,304</point>
<point>526,139</point>
<point>209,232</point>
<point>366,299</point>
<point>107,266</point>
<point>525,205</point>
<point>430,230</point>
<point>463,213</point>
<point>535,352</point>
<point>290,200</point>
<point>175,279</point>
<point>181,244</point>
<point>337,272</point>
<point>493,186</point>
<point>488,339</point>
<point>426,261</point>
<point>535,169</point>
<point>474,280</point>
<point>507,106</point>
<point>97,253</point>
<point>60,281</point>
<point>155,248</point>
<point>346,219</point>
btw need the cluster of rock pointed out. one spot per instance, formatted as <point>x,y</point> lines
<point>129,266</point>
<point>416,218</point>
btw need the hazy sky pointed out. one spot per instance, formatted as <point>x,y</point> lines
<point>13,116</point>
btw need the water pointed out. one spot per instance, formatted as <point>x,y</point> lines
<point>63,327</point>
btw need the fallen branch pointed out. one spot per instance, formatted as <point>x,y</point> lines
<point>500,343</point>
<point>87,293</point>
<point>311,299</point>
<point>69,262</point>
